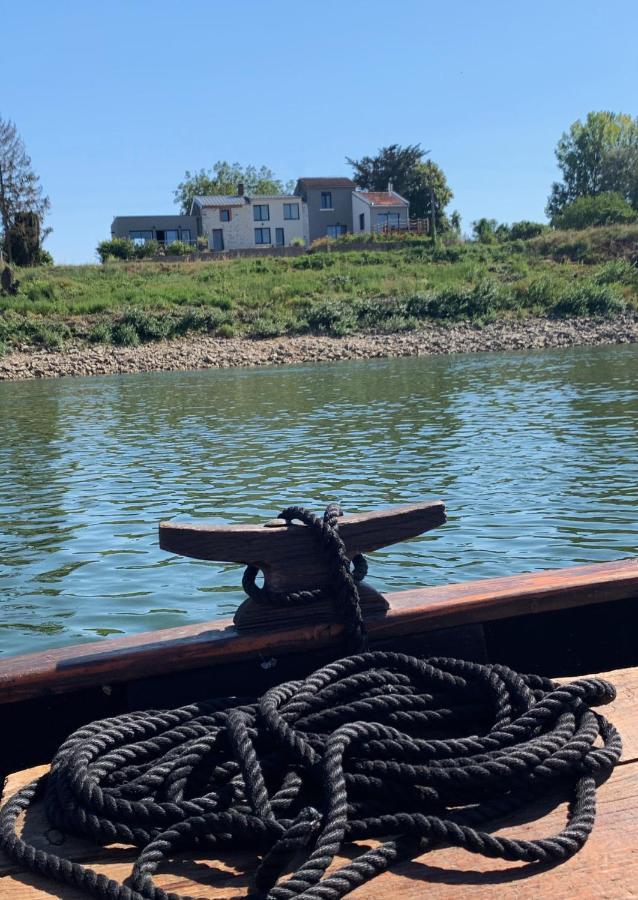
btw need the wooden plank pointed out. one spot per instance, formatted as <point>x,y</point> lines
<point>218,642</point>
<point>606,868</point>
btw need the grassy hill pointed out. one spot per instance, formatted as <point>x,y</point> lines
<point>558,274</point>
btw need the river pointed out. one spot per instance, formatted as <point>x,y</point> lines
<point>535,455</point>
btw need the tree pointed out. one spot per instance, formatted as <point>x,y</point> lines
<point>20,190</point>
<point>596,157</point>
<point>412,178</point>
<point>523,230</point>
<point>603,209</point>
<point>484,230</point>
<point>223,178</point>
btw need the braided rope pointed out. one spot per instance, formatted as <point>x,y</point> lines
<point>428,752</point>
<point>343,593</point>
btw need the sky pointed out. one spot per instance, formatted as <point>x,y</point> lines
<point>116,100</point>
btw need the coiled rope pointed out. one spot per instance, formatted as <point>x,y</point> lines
<point>377,744</point>
<point>427,752</point>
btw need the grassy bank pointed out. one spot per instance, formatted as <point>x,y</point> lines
<point>324,293</point>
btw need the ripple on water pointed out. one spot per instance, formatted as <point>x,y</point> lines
<point>534,454</point>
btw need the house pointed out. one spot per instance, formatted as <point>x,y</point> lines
<point>329,204</point>
<point>379,210</point>
<point>163,229</point>
<point>240,222</point>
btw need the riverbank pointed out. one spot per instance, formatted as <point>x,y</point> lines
<point>208,352</point>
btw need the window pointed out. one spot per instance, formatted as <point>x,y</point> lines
<point>262,235</point>
<point>140,237</point>
<point>326,199</point>
<point>362,221</point>
<point>186,235</point>
<point>170,235</point>
<point>389,220</point>
<point>224,215</point>
<point>279,237</point>
<point>335,230</point>
<point>261,212</point>
<point>291,210</point>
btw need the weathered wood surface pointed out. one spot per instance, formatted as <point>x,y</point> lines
<point>287,554</point>
<point>411,612</point>
<point>606,868</point>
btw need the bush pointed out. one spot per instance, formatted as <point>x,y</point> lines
<point>147,250</point>
<point>297,242</point>
<point>524,230</point>
<point>101,333</point>
<point>589,299</point>
<point>178,248</point>
<point>225,331</point>
<point>479,302</point>
<point>116,248</point>
<point>125,335</point>
<point>619,271</point>
<point>331,318</point>
<point>602,209</point>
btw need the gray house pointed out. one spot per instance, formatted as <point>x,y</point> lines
<point>163,229</point>
<point>329,202</point>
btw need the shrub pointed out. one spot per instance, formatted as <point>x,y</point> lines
<point>125,335</point>
<point>147,250</point>
<point>116,248</point>
<point>484,231</point>
<point>601,209</point>
<point>331,317</point>
<point>178,248</point>
<point>589,299</point>
<point>297,242</point>
<point>524,230</point>
<point>225,331</point>
<point>620,271</point>
<point>101,333</point>
<point>479,302</point>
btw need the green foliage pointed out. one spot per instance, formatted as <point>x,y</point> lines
<point>410,177</point>
<point>484,231</point>
<point>589,299</point>
<point>601,209</point>
<point>591,245</point>
<point>478,302</point>
<point>124,334</point>
<point>595,157</point>
<point>617,271</point>
<point>524,230</point>
<point>145,250</point>
<point>101,333</point>
<point>297,242</point>
<point>115,248</point>
<point>223,178</point>
<point>178,248</point>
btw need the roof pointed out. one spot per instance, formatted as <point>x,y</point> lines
<point>382,198</point>
<point>326,182</point>
<point>220,200</point>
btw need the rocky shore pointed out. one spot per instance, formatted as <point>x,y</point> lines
<point>205,352</point>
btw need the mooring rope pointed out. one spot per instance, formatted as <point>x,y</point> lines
<point>416,753</point>
<point>343,594</point>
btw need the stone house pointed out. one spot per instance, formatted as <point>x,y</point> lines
<point>239,222</point>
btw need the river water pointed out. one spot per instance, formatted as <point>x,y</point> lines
<point>534,453</point>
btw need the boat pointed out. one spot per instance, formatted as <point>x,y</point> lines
<point>576,621</point>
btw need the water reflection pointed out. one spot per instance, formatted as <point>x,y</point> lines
<point>533,452</point>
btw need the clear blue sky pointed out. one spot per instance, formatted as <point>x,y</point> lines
<point>116,100</point>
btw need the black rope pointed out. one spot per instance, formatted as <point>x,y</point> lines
<point>343,593</point>
<point>417,752</point>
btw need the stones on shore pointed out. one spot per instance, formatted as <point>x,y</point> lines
<point>202,352</point>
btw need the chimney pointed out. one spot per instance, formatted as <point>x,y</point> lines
<point>390,187</point>
<point>240,189</point>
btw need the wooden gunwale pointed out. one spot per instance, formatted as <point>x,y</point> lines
<point>411,612</point>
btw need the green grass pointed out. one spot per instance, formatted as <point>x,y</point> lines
<point>127,303</point>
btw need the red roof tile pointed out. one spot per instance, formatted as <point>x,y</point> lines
<point>381,198</point>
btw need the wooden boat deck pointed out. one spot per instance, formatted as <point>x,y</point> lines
<point>606,868</point>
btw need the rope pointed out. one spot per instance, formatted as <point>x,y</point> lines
<point>343,592</point>
<point>425,752</point>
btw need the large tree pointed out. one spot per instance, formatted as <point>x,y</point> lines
<point>597,156</point>
<point>414,179</point>
<point>223,178</point>
<point>20,190</point>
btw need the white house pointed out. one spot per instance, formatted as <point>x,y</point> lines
<point>378,210</point>
<point>241,222</point>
